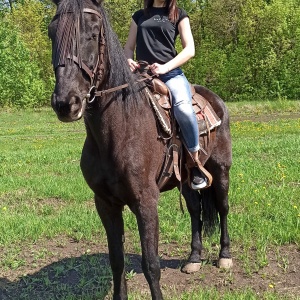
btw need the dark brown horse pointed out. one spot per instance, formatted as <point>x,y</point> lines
<point>123,154</point>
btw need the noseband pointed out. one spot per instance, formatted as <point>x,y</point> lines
<point>95,75</point>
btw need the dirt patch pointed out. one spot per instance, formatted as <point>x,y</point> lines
<point>64,269</point>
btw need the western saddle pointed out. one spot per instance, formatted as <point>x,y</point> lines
<point>161,101</point>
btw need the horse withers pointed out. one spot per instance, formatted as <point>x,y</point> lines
<point>123,155</point>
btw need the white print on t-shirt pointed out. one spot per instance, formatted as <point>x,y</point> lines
<point>160,19</point>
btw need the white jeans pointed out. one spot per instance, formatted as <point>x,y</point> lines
<point>182,107</point>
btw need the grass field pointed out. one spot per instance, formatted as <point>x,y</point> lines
<point>44,200</point>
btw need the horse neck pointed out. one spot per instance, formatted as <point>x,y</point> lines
<point>113,116</point>
<point>124,109</point>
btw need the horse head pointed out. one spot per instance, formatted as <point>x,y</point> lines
<point>78,56</point>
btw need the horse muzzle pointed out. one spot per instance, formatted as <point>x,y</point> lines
<point>69,109</point>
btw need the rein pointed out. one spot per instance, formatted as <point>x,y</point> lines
<point>114,89</point>
<point>143,70</point>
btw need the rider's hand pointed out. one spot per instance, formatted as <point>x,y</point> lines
<point>157,69</point>
<point>132,64</point>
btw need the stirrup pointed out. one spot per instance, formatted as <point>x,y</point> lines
<point>191,163</point>
<point>201,178</point>
<point>205,173</point>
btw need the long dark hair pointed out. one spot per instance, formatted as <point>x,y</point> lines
<point>171,8</point>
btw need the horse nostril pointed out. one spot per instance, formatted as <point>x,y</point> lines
<point>60,107</point>
<point>67,107</point>
<point>74,100</point>
<point>75,103</point>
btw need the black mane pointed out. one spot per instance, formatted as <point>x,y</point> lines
<point>119,71</point>
<point>67,15</point>
<point>75,6</point>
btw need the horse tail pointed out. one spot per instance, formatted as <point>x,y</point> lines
<point>210,217</point>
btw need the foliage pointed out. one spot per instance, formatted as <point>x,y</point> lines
<point>245,50</point>
<point>248,49</point>
<point>31,19</point>
<point>20,83</point>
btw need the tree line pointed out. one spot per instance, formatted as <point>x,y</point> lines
<point>245,50</point>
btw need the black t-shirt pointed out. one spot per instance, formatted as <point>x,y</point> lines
<point>156,35</point>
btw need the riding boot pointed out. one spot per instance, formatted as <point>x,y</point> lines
<point>191,163</point>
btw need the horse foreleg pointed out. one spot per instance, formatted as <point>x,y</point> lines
<point>192,199</point>
<point>112,220</point>
<point>147,219</point>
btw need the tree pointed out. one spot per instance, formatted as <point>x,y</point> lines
<point>31,18</point>
<point>249,49</point>
<point>20,83</point>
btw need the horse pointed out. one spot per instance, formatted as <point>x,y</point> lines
<point>123,154</point>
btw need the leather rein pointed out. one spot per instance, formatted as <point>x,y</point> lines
<point>96,75</point>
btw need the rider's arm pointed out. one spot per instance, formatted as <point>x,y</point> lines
<point>129,47</point>
<point>188,50</point>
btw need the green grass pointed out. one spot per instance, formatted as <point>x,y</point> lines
<point>42,191</point>
<point>43,194</point>
<point>258,108</point>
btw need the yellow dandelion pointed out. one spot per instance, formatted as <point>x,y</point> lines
<point>295,206</point>
<point>256,202</point>
<point>4,208</point>
<point>271,286</point>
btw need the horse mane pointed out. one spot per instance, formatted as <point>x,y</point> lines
<point>119,71</point>
<point>68,13</point>
<point>75,6</point>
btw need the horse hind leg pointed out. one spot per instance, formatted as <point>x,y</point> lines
<point>193,202</point>
<point>220,190</point>
<point>112,221</point>
<point>211,201</point>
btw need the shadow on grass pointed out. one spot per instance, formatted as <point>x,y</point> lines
<point>87,277</point>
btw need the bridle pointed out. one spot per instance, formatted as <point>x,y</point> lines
<point>97,73</point>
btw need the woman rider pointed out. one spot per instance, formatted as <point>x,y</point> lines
<point>152,35</point>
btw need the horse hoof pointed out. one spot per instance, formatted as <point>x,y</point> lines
<point>191,268</point>
<point>225,263</point>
